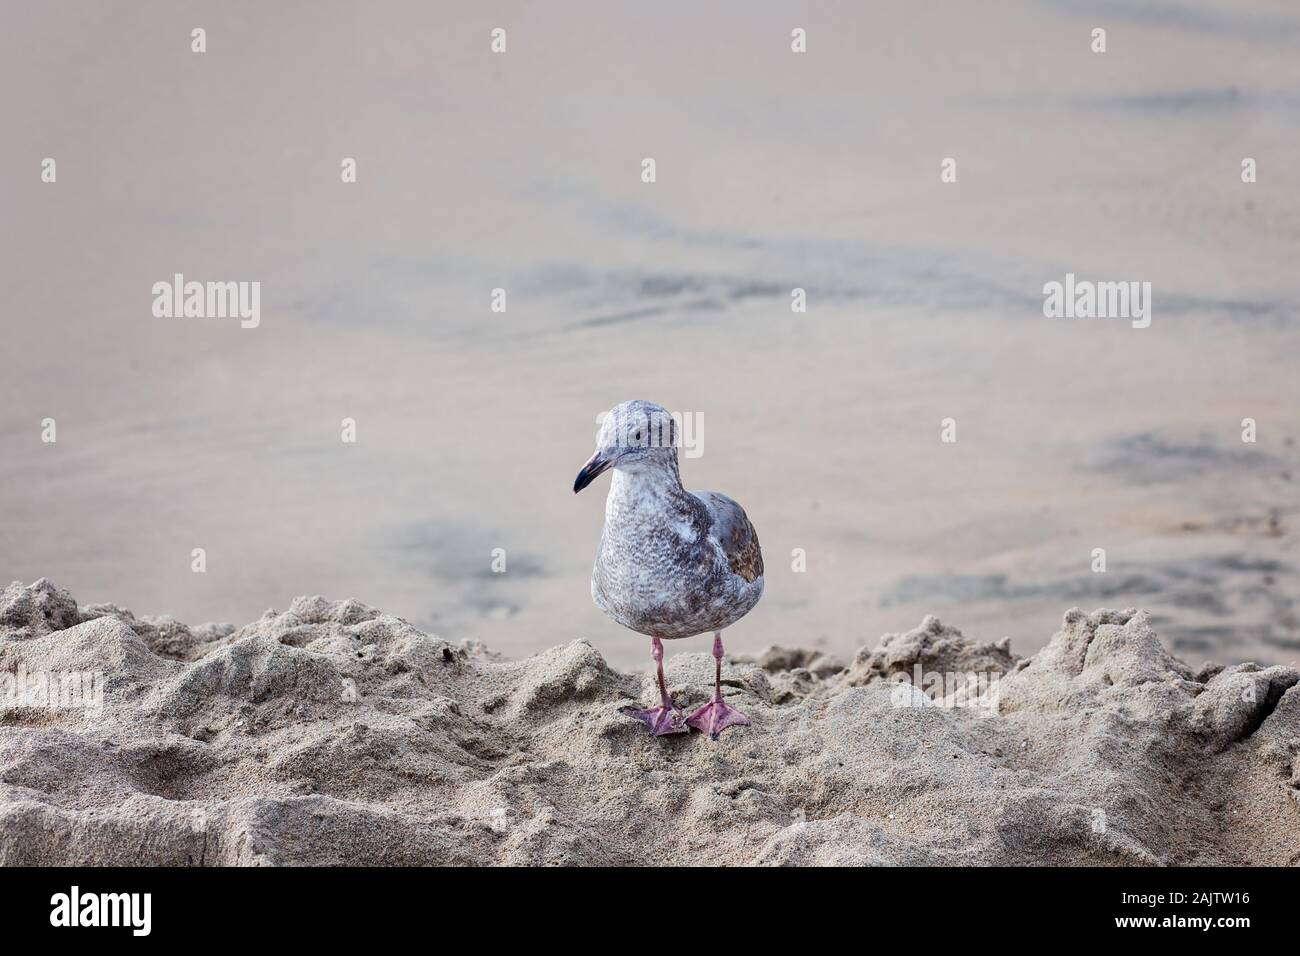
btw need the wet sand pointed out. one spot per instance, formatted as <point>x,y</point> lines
<point>521,171</point>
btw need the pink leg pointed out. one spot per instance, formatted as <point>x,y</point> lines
<point>716,716</point>
<point>664,719</point>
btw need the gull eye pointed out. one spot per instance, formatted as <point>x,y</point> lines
<point>637,436</point>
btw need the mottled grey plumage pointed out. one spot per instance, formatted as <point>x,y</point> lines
<point>671,563</point>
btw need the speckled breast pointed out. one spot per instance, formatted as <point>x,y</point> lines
<point>658,585</point>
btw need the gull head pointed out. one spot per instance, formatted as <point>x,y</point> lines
<point>634,436</point>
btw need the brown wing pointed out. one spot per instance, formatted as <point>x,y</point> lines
<point>735,534</point>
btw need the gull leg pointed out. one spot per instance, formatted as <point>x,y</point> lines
<point>666,718</point>
<point>716,715</point>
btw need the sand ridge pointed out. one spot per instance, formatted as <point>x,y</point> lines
<point>334,733</point>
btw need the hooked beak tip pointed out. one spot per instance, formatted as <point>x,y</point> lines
<point>595,467</point>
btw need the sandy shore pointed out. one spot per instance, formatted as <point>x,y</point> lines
<point>335,733</point>
<point>776,171</point>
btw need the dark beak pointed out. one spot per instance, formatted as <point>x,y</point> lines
<point>594,467</point>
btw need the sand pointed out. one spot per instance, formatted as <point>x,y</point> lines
<point>775,171</point>
<point>334,733</point>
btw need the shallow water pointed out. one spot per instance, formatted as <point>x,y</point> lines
<point>521,171</point>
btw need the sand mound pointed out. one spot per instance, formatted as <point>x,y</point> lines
<point>334,733</point>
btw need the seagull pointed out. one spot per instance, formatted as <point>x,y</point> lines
<point>672,563</point>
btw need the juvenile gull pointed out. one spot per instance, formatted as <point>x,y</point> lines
<point>671,563</point>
